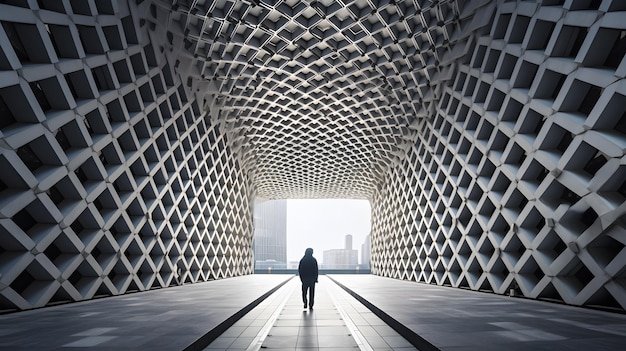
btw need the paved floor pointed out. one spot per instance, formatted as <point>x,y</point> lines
<point>454,319</point>
<point>164,319</point>
<point>337,323</point>
<point>432,317</point>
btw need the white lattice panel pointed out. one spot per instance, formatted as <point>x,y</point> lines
<point>489,135</point>
<point>517,182</point>
<point>114,177</point>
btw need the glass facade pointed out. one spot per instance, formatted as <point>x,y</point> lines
<point>270,234</point>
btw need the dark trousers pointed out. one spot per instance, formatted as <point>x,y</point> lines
<point>310,288</point>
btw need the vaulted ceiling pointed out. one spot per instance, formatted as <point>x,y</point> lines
<point>320,98</point>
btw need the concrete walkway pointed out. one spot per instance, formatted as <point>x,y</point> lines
<point>166,319</point>
<point>364,312</point>
<point>456,319</point>
<point>337,323</point>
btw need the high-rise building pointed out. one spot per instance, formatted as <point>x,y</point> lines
<point>270,233</point>
<point>345,258</point>
<point>366,251</point>
<point>488,135</point>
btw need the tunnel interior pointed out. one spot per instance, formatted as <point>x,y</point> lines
<point>489,137</point>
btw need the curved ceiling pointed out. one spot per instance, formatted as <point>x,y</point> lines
<point>319,98</point>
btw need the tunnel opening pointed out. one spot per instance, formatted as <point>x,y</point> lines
<point>338,231</point>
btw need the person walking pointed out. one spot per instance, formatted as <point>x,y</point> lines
<point>308,271</point>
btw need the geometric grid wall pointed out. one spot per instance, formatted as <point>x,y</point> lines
<point>319,97</point>
<point>489,136</point>
<point>518,180</point>
<point>114,176</point>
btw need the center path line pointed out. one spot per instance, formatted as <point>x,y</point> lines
<point>337,322</point>
<point>257,343</point>
<point>338,296</point>
<point>322,328</point>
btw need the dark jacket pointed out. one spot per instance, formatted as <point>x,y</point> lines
<point>308,269</point>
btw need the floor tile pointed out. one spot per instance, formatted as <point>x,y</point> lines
<point>164,319</point>
<point>451,319</point>
<point>454,319</point>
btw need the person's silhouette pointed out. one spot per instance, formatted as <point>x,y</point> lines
<point>307,269</point>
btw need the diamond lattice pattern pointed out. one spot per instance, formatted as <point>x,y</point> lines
<point>115,177</point>
<point>489,135</point>
<point>517,183</point>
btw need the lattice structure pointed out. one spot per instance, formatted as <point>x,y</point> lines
<point>320,97</point>
<point>518,181</point>
<point>490,136</point>
<point>114,178</point>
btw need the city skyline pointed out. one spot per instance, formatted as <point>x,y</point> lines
<point>323,224</point>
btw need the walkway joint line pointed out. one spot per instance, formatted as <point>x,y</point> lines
<point>354,330</point>
<point>257,343</point>
<point>419,342</point>
<point>214,333</point>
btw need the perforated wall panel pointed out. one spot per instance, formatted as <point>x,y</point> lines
<point>518,181</point>
<point>489,135</point>
<point>114,176</point>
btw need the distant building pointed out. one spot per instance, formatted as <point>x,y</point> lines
<point>345,258</point>
<point>270,234</point>
<point>366,250</point>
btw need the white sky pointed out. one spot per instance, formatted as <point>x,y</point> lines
<point>323,225</point>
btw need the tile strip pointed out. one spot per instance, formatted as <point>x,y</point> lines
<point>415,340</point>
<point>214,333</point>
<point>260,338</point>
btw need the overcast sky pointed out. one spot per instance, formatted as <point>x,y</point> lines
<point>323,225</point>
